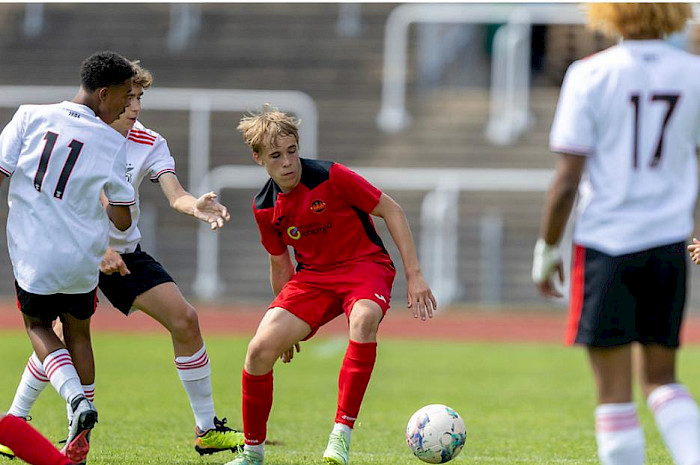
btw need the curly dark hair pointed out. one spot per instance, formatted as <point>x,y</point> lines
<point>104,69</point>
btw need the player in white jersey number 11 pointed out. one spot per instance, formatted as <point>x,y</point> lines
<point>59,158</point>
<point>132,279</point>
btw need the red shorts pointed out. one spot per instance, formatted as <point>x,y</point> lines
<point>318,297</point>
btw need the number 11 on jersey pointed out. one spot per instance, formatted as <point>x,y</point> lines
<point>75,148</point>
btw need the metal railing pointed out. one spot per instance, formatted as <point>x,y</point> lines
<point>393,116</point>
<point>200,103</point>
<point>439,225</point>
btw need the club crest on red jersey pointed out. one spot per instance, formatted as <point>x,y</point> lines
<point>317,206</point>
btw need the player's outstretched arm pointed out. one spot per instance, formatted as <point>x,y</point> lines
<point>694,250</point>
<point>205,208</point>
<point>418,294</point>
<point>560,199</point>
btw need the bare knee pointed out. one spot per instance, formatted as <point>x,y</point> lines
<point>260,357</point>
<point>186,325</point>
<point>364,322</point>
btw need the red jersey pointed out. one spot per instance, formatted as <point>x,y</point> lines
<point>325,218</point>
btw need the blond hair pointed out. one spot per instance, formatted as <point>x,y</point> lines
<point>638,20</point>
<point>142,76</point>
<point>262,129</point>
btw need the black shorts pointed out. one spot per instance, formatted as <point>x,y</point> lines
<point>634,297</point>
<point>51,306</point>
<point>145,273</point>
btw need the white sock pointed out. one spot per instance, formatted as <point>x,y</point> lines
<point>676,414</point>
<point>33,381</point>
<point>257,448</point>
<point>195,374</point>
<point>61,372</point>
<point>619,435</point>
<point>89,391</point>
<point>345,429</point>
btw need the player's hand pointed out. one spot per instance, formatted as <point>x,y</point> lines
<point>694,250</point>
<point>112,263</point>
<point>419,296</point>
<point>545,262</point>
<point>288,355</point>
<point>209,210</point>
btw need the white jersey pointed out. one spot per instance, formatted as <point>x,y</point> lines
<point>634,111</point>
<point>147,154</point>
<point>59,158</point>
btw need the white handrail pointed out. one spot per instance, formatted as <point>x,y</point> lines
<point>449,182</point>
<point>510,84</point>
<point>392,116</point>
<point>200,103</point>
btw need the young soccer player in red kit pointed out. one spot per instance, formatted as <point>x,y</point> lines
<point>29,445</point>
<point>322,209</point>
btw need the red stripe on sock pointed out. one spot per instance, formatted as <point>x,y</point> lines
<point>54,367</point>
<point>198,361</point>
<point>35,372</point>
<point>28,444</point>
<point>353,380</point>
<point>672,395</point>
<point>257,402</point>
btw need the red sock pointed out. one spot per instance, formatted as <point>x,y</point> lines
<point>353,380</point>
<point>28,444</point>
<point>257,402</point>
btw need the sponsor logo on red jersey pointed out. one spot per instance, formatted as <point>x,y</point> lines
<point>317,206</point>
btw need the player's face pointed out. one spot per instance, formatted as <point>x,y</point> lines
<point>282,162</point>
<point>128,118</point>
<point>113,100</point>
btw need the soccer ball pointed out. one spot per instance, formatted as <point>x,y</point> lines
<point>436,433</point>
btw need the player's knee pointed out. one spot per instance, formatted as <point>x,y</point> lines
<point>364,321</point>
<point>187,323</point>
<point>260,354</point>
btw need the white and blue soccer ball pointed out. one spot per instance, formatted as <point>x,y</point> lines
<point>436,433</point>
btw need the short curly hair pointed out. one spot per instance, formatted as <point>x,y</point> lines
<point>262,129</point>
<point>104,69</point>
<point>638,19</point>
<point>142,76</point>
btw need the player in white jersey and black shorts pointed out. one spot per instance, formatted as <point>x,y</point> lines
<point>132,279</point>
<point>59,158</point>
<point>627,127</point>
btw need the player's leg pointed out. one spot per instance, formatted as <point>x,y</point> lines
<point>32,383</point>
<point>603,317</point>
<point>355,373</point>
<point>30,445</point>
<point>618,432</point>
<point>659,322</point>
<point>673,407</point>
<point>76,334</point>
<point>165,303</point>
<point>276,333</point>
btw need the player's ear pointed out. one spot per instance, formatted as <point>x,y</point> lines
<point>102,93</point>
<point>257,158</point>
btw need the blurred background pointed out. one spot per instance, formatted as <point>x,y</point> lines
<point>446,107</point>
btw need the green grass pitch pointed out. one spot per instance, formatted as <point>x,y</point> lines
<point>522,403</point>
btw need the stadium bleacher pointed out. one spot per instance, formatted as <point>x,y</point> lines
<point>295,46</point>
